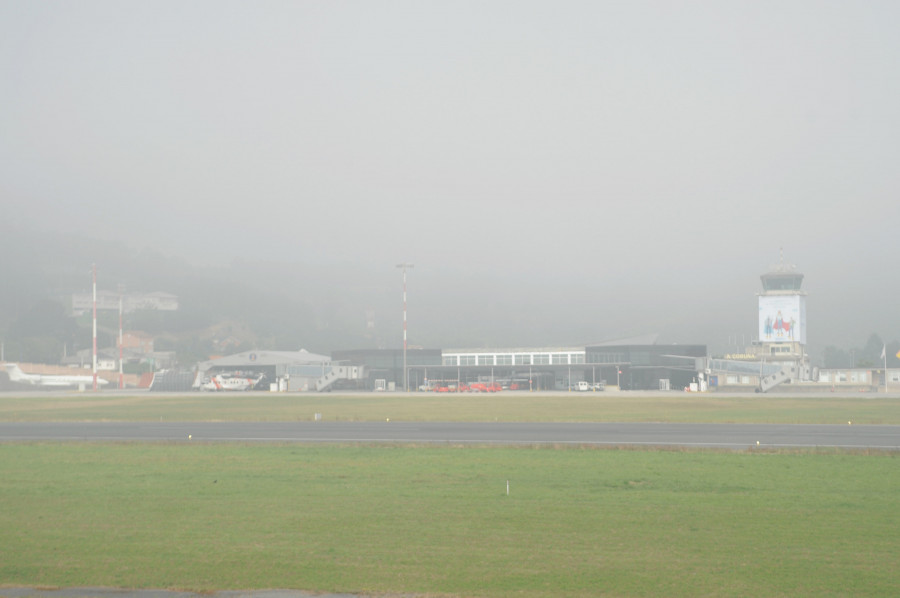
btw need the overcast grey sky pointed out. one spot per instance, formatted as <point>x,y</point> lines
<point>657,153</point>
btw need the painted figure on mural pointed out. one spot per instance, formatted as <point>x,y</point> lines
<point>779,323</point>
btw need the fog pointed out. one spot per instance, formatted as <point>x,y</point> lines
<point>558,172</point>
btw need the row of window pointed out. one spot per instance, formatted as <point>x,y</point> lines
<point>780,349</point>
<point>515,359</point>
<point>861,377</point>
<point>606,357</point>
<point>824,376</point>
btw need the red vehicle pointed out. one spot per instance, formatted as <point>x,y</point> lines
<point>444,386</point>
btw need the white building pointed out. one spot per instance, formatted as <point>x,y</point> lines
<point>109,300</point>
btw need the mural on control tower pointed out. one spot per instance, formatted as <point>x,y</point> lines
<point>782,319</point>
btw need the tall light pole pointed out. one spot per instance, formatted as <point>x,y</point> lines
<point>404,266</point>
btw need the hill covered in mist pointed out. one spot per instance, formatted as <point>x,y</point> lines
<point>321,304</point>
<point>41,272</point>
<point>290,304</point>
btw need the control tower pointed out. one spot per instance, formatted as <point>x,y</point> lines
<point>782,314</point>
<point>778,355</point>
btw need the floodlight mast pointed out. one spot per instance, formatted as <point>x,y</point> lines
<point>404,266</point>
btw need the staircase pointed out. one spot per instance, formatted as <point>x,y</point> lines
<point>783,375</point>
<point>172,381</point>
<point>339,372</point>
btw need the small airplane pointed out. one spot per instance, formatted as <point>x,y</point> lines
<point>17,375</point>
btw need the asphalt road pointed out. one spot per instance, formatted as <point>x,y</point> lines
<point>730,436</point>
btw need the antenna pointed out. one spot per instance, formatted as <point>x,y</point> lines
<point>94,355</point>
<point>121,342</point>
<point>404,266</point>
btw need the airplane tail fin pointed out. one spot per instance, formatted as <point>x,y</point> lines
<point>13,371</point>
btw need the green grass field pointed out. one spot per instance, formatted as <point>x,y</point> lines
<point>525,407</point>
<point>437,520</point>
<point>391,519</point>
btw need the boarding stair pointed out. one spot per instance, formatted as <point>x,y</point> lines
<point>339,372</point>
<point>786,373</point>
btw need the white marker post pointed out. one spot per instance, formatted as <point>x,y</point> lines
<point>507,487</point>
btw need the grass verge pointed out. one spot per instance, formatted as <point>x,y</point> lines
<point>400,519</point>
<point>511,407</point>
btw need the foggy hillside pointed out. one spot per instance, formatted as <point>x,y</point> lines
<point>558,177</point>
<point>327,305</point>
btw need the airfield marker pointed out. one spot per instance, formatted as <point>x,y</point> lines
<point>507,487</point>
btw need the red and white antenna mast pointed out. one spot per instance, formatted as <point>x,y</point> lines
<point>94,285</point>
<point>121,372</point>
<point>404,266</point>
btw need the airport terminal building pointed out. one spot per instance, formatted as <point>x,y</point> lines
<point>777,356</point>
<point>623,365</point>
<point>629,365</point>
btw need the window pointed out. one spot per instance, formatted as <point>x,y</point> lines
<point>606,358</point>
<point>450,360</point>
<point>561,358</point>
<point>523,359</point>
<point>541,358</point>
<point>485,360</point>
<point>577,357</point>
<point>467,359</point>
<point>504,359</point>
<point>745,379</point>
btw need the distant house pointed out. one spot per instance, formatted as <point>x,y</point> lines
<point>137,341</point>
<point>109,301</point>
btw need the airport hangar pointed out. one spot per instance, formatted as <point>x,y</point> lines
<point>278,370</point>
<point>632,364</point>
<point>629,365</point>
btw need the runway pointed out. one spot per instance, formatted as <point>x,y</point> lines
<point>728,436</point>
